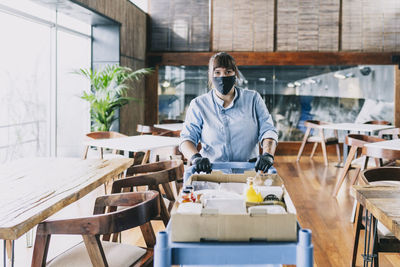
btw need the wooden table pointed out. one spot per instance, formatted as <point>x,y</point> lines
<point>357,127</point>
<point>391,144</point>
<point>33,189</point>
<point>383,204</point>
<point>135,143</point>
<point>170,126</point>
<point>354,127</point>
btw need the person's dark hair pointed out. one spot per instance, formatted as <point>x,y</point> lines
<point>221,60</point>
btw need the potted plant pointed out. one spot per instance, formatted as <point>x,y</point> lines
<point>108,93</point>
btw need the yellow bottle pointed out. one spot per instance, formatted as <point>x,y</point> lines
<point>251,194</point>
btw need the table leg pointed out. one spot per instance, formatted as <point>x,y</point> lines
<point>4,254</point>
<point>345,149</point>
<point>8,252</point>
<point>368,258</point>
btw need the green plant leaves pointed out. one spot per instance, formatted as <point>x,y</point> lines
<point>109,87</point>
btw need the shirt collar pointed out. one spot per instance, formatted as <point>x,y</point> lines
<point>220,102</point>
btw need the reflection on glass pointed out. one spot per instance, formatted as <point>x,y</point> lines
<point>293,94</point>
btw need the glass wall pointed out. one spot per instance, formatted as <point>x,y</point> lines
<point>38,55</point>
<point>293,94</point>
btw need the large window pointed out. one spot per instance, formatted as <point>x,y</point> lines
<point>293,94</point>
<point>39,52</point>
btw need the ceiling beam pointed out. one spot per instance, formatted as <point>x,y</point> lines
<point>275,58</point>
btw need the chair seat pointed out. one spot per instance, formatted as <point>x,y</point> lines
<point>317,138</point>
<point>117,255</point>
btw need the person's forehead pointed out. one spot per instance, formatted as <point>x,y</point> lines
<point>222,69</point>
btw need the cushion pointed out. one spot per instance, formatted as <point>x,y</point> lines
<point>386,182</point>
<point>371,162</point>
<point>117,255</point>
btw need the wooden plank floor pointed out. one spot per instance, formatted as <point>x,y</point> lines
<point>310,185</point>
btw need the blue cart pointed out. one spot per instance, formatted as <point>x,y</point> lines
<point>167,253</point>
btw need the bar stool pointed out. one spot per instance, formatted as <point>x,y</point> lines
<point>355,141</point>
<point>384,240</point>
<point>318,139</point>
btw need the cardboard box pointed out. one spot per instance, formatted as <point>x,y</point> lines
<point>211,226</point>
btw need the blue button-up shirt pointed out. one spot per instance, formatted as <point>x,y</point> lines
<point>231,133</point>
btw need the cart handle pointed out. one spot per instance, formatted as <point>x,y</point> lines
<point>225,165</point>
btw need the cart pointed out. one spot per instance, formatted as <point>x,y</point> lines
<point>167,253</point>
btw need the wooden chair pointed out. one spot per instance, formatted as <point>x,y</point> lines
<point>384,240</point>
<point>142,207</point>
<point>378,122</point>
<point>394,133</point>
<point>154,175</point>
<point>102,135</point>
<point>318,139</point>
<point>355,141</point>
<point>171,121</point>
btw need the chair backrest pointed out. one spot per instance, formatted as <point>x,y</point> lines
<point>105,135</point>
<point>313,123</point>
<point>152,174</point>
<point>378,122</point>
<point>142,207</point>
<point>359,140</point>
<point>381,174</point>
<point>171,121</point>
<point>381,153</point>
<point>394,132</point>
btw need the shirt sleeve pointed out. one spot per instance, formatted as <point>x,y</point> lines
<point>193,125</point>
<point>265,123</point>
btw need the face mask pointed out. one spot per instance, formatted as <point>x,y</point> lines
<point>224,84</point>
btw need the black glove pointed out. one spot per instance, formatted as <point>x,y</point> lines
<point>201,164</point>
<point>264,162</point>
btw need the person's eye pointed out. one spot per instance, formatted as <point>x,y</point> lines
<point>216,73</point>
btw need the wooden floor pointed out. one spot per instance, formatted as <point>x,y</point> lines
<point>310,185</point>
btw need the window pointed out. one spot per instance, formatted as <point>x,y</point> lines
<point>293,94</point>
<point>38,88</point>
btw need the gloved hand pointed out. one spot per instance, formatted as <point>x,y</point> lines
<point>201,164</point>
<point>264,162</point>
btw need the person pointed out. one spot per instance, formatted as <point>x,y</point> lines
<point>228,121</point>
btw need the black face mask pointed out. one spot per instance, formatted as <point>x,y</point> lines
<point>224,84</point>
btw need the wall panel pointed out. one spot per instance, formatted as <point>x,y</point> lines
<point>240,25</point>
<point>308,25</point>
<point>133,113</point>
<point>179,25</point>
<point>370,25</point>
